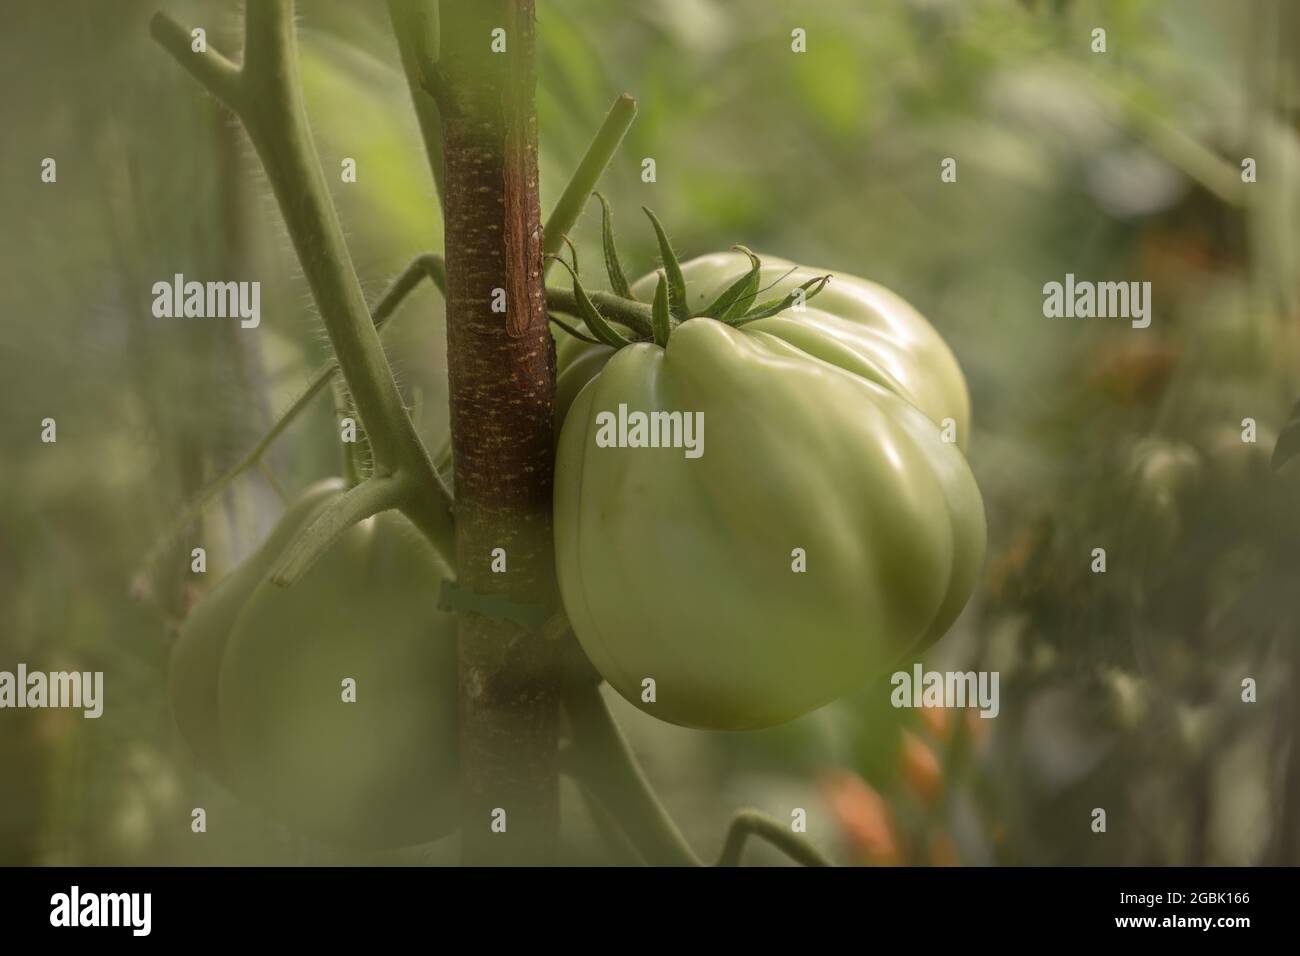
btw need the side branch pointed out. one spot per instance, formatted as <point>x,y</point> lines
<point>212,69</point>
<point>429,264</point>
<point>602,761</point>
<point>266,94</point>
<point>637,316</point>
<point>365,500</point>
<point>583,181</point>
<point>416,27</point>
<point>748,822</point>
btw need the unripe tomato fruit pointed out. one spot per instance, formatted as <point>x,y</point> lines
<point>257,684</point>
<point>822,432</point>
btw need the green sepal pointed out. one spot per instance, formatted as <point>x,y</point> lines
<point>660,319</point>
<point>590,315</point>
<point>733,300</point>
<point>672,269</point>
<point>573,252</point>
<point>613,267</point>
<point>574,332</point>
<point>773,306</point>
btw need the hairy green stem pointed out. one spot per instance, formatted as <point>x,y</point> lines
<point>356,504</point>
<point>428,264</point>
<point>637,316</point>
<point>416,26</point>
<point>266,94</point>
<point>604,764</point>
<point>352,464</point>
<point>590,315</point>
<point>574,332</point>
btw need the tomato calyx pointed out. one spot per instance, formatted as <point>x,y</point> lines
<point>801,293</point>
<point>618,319</point>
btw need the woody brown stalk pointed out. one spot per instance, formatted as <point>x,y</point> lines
<point>501,369</point>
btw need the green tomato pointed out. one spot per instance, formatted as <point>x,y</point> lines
<point>258,684</point>
<point>822,432</point>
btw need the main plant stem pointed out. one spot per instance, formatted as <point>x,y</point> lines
<point>501,370</point>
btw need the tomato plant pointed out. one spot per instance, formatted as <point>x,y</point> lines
<point>830,526</point>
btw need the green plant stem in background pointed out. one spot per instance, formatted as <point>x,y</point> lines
<point>352,453</point>
<point>1166,138</point>
<point>266,94</point>
<point>376,494</point>
<point>751,822</point>
<point>427,265</point>
<point>603,763</point>
<point>620,849</point>
<point>585,177</point>
<point>272,481</point>
<point>416,26</point>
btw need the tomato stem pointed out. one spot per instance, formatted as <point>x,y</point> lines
<point>750,822</point>
<point>416,26</point>
<point>637,316</point>
<point>606,142</point>
<point>603,762</point>
<point>375,494</point>
<point>428,264</point>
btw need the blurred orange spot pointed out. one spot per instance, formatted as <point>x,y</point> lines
<point>1131,372</point>
<point>920,767</point>
<point>863,815</point>
<point>937,720</point>
<point>53,725</point>
<point>1010,575</point>
<point>1174,255</point>
<point>943,851</point>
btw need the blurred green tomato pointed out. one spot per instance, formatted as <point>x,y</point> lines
<point>258,679</point>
